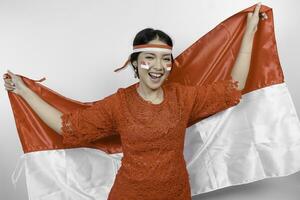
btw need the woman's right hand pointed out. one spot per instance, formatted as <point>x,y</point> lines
<point>13,82</point>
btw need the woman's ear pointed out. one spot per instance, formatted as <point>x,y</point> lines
<point>134,63</point>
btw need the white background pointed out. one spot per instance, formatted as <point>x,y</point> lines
<point>77,44</point>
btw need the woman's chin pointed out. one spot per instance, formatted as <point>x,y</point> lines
<point>154,85</point>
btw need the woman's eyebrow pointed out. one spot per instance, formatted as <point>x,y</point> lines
<point>167,54</point>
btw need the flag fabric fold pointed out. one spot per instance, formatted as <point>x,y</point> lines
<point>259,138</point>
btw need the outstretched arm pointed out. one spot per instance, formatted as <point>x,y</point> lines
<point>79,126</point>
<point>49,114</point>
<point>241,66</point>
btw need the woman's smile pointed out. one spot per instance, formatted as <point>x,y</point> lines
<point>155,77</point>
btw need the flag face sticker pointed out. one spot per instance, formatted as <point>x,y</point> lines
<point>145,65</point>
<point>256,139</point>
<point>169,66</point>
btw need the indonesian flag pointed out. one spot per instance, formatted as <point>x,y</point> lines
<point>256,139</point>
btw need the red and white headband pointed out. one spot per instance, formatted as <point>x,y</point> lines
<point>147,47</point>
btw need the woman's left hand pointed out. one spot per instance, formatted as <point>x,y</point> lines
<point>253,18</point>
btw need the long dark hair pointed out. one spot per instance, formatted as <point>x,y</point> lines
<point>144,37</point>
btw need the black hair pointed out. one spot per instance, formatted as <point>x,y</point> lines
<point>144,37</point>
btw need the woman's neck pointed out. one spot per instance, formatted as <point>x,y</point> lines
<point>150,94</point>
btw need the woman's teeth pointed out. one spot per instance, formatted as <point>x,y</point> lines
<point>154,75</point>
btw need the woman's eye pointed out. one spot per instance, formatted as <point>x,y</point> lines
<point>149,57</point>
<point>167,59</point>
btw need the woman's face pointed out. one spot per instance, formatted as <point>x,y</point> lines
<point>152,66</point>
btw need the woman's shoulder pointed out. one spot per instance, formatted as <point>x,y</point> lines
<point>113,97</point>
<point>122,92</point>
<point>184,93</point>
<point>125,89</point>
<point>179,87</point>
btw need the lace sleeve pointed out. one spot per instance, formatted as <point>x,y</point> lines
<point>212,98</point>
<point>89,124</point>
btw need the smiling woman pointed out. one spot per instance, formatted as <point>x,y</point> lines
<point>153,69</point>
<point>152,62</point>
<point>151,117</point>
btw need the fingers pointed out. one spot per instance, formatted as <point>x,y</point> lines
<point>256,12</point>
<point>10,73</point>
<point>263,15</point>
<point>257,8</point>
<point>6,76</point>
<point>10,89</point>
<point>9,82</point>
<point>9,86</point>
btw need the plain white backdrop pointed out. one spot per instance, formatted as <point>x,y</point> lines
<point>77,44</point>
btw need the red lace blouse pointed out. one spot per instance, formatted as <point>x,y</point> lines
<point>152,135</point>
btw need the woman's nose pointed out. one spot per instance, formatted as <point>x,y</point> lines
<point>158,65</point>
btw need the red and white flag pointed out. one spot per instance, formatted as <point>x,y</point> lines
<point>256,139</point>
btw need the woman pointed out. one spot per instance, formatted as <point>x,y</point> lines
<point>150,116</point>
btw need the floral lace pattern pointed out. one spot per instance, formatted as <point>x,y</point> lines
<point>157,117</point>
<point>213,98</point>
<point>89,124</point>
<point>152,135</point>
